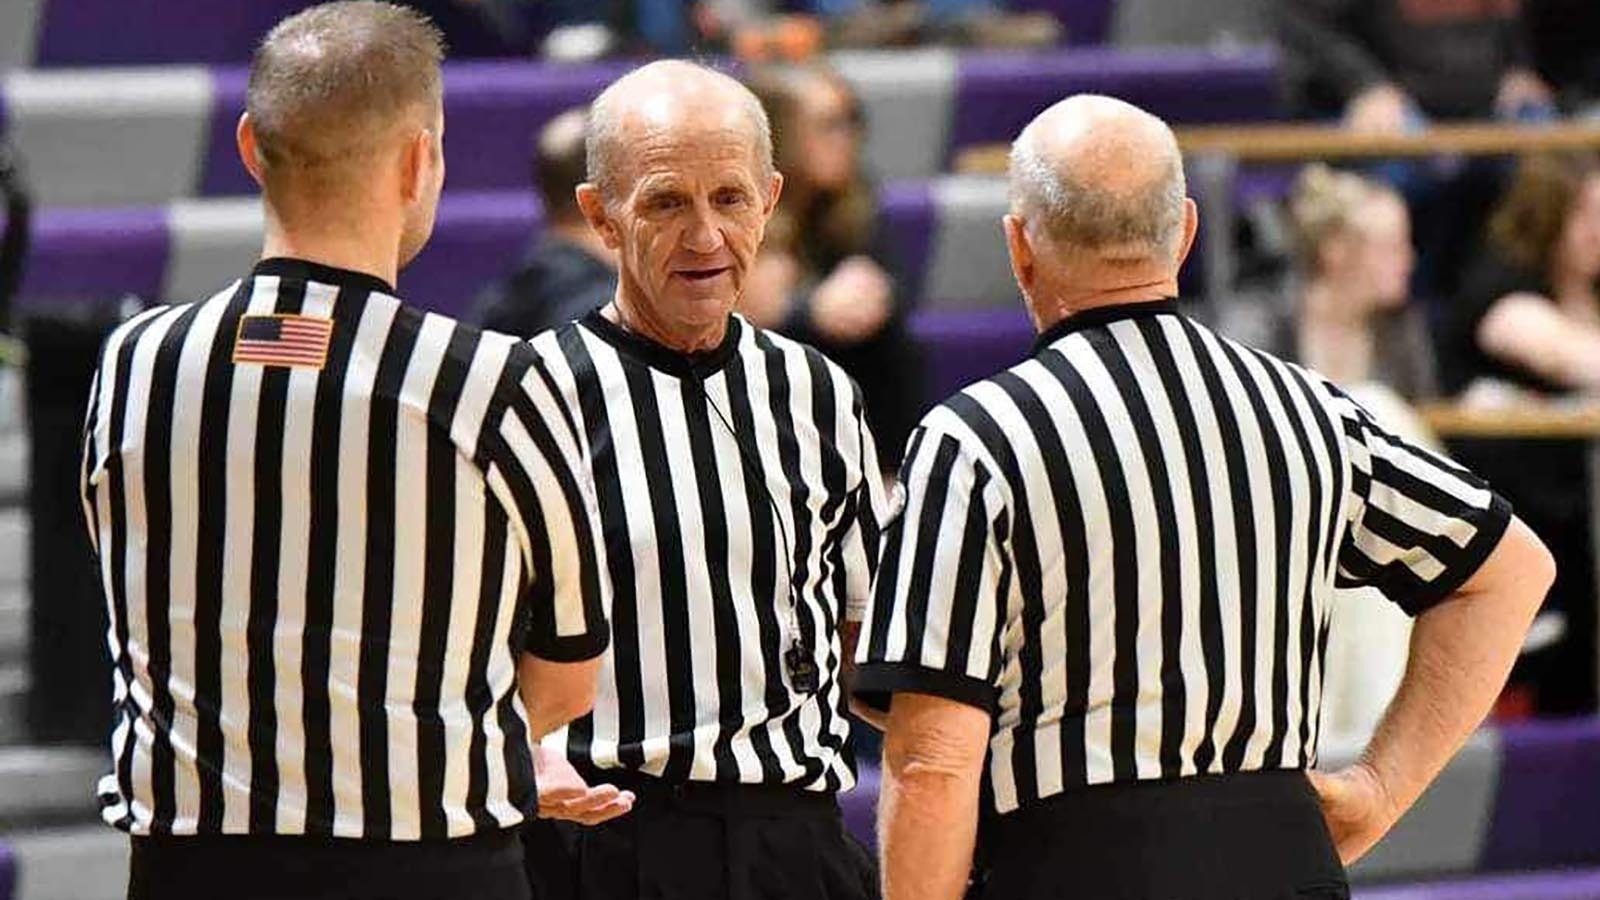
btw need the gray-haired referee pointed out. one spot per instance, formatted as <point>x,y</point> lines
<point>336,534</point>
<point>1113,572</point>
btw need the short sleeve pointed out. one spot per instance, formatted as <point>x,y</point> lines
<point>565,596</point>
<point>868,508</point>
<point>1419,525</point>
<point>939,603</point>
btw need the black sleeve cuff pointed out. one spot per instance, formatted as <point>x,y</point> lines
<point>1492,524</point>
<point>571,648</point>
<point>875,683</point>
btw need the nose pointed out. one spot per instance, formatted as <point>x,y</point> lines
<point>703,234</point>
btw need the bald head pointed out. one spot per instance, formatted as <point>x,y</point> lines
<point>329,83</point>
<point>1102,176</point>
<point>674,97</point>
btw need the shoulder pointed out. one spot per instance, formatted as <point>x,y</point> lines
<point>797,354</point>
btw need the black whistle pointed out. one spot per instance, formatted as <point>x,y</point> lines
<point>803,672</point>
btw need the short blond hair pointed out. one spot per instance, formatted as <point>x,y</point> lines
<point>327,80</point>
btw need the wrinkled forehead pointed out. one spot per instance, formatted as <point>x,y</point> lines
<point>720,146</point>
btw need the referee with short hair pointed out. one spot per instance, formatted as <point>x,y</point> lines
<point>1113,570</point>
<point>739,496</point>
<point>337,535</point>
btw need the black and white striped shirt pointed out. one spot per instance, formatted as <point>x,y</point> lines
<point>731,484</point>
<point>319,576</point>
<point>1125,548</point>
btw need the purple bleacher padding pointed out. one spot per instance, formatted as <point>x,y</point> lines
<point>1569,884</point>
<point>478,237</point>
<point>8,872</point>
<point>492,111</point>
<point>224,174</point>
<point>970,345</point>
<point>860,804</point>
<point>1087,22</point>
<point>998,93</point>
<point>95,254</point>
<point>908,221</point>
<point>1547,809</point>
<point>137,32</point>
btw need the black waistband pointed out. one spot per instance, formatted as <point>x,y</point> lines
<point>250,850</point>
<point>728,799</point>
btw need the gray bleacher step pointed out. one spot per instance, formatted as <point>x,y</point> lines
<point>48,784</point>
<point>13,467</point>
<point>13,702</point>
<point>13,623</point>
<point>14,530</point>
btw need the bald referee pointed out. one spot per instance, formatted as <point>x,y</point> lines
<point>345,545</point>
<point>740,504</point>
<point>1113,570</point>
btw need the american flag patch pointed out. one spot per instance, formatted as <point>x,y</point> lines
<point>283,341</point>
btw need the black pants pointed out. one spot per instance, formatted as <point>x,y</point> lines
<point>485,867</point>
<point>704,842</point>
<point>1256,836</point>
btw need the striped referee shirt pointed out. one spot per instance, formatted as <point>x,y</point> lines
<point>740,499</point>
<point>1125,548</point>
<point>326,524</point>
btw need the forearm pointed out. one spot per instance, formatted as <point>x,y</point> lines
<point>928,826</point>
<point>928,810</point>
<point>554,693</point>
<point>1461,652</point>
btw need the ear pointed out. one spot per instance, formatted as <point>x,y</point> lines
<point>417,165</point>
<point>774,191</point>
<point>1020,250</point>
<point>244,137</point>
<point>1191,228</point>
<point>593,207</point>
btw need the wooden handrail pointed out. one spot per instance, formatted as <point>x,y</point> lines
<point>1298,143</point>
<point>1552,421</point>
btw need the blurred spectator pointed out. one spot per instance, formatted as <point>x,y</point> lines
<point>823,276</point>
<point>1382,63</point>
<point>1528,324</point>
<point>1565,36</point>
<point>18,209</point>
<point>568,271</point>
<point>1354,261</point>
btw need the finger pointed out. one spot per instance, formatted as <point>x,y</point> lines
<point>594,798</point>
<point>606,813</point>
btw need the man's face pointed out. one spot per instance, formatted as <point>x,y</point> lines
<point>692,209</point>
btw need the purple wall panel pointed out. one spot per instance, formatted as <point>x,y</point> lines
<point>998,93</point>
<point>1547,811</point>
<point>88,254</point>
<point>135,32</point>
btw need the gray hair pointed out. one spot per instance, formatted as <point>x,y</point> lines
<point>1148,218</point>
<point>605,146</point>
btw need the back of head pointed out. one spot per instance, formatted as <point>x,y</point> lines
<point>329,85</point>
<point>559,163</point>
<point>1527,227</point>
<point>1101,177</point>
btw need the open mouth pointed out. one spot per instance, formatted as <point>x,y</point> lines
<point>702,274</point>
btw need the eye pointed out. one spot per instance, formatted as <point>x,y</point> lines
<point>663,203</point>
<point>730,197</point>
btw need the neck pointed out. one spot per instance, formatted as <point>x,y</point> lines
<point>638,318</point>
<point>1062,304</point>
<point>374,251</point>
<point>1334,337</point>
<point>579,234</point>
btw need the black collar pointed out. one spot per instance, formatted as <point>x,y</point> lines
<point>305,270</point>
<point>1104,315</point>
<point>674,362</point>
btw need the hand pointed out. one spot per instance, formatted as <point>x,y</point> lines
<point>563,794</point>
<point>1520,88</point>
<point>1382,109</point>
<point>1357,808</point>
<point>854,302</point>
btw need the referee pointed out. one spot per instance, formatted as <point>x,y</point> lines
<point>1113,571</point>
<point>345,545</point>
<point>739,498</point>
